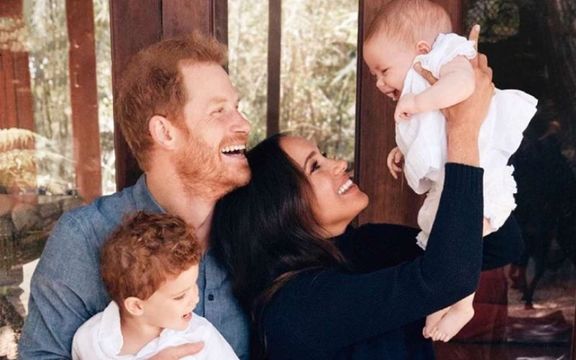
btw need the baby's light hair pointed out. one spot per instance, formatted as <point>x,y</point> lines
<point>409,21</point>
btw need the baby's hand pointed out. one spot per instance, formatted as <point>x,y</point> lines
<point>394,162</point>
<point>405,107</point>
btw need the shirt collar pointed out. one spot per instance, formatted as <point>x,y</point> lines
<point>144,198</point>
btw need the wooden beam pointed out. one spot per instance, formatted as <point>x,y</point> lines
<point>185,16</point>
<point>454,9</point>
<point>10,111</point>
<point>10,8</point>
<point>16,109</point>
<point>274,66</point>
<point>391,201</point>
<point>84,97</point>
<point>24,97</point>
<point>134,24</point>
<point>220,21</point>
<point>3,89</point>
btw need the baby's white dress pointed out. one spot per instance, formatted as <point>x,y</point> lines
<point>100,338</point>
<point>422,140</point>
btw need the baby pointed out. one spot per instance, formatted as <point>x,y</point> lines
<point>149,266</point>
<point>403,33</point>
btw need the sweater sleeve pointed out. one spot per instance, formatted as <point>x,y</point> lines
<point>332,309</point>
<point>372,247</point>
<point>503,246</point>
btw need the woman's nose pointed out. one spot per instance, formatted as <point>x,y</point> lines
<point>340,166</point>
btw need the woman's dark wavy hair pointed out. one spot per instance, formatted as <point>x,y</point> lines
<point>265,232</point>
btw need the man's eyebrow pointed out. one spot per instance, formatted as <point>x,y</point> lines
<point>217,100</point>
<point>309,157</point>
<point>221,99</point>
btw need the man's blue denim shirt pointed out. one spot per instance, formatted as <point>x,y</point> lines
<point>66,288</point>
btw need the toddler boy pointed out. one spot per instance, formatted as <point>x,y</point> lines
<point>149,266</point>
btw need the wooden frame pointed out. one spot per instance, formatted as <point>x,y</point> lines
<point>16,105</point>
<point>84,97</point>
<point>274,66</point>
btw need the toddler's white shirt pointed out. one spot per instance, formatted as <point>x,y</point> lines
<point>422,140</point>
<point>101,338</point>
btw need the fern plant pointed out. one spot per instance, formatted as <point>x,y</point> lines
<point>21,153</point>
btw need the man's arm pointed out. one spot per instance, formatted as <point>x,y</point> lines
<point>65,291</point>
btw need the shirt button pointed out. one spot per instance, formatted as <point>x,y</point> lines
<point>210,297</point>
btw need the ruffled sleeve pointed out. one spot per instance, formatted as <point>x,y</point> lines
<point>445,48</point>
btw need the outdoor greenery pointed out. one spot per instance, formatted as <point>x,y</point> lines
<point>318,68</point>
<point>47,45</point>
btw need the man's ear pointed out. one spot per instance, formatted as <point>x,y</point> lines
<point>162,131</point>
<point>134,306</point>
<point>422,47</point>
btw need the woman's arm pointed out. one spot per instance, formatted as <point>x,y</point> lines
<point>463,121</point>
<point>332,309</point>
<point>503,246</point>
<point>371,247</point>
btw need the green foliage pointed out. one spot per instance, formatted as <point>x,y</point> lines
<point>23,154</point>
<point>104,82</point>
<point>17,161</point>
<point>318,68</point>
<point>48,59</point>
<point>48,47</point>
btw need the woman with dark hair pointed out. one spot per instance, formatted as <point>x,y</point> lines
<point>319,289</point>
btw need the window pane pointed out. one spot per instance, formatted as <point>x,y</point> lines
<point>527,311</point>
<point>38,146</point>
<point>318,68</point>
<point>104,79</point>
<point>318,77</point>
<point>247,51</point>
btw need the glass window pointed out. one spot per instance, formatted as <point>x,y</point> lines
<point>526,311</point>
<point>247,60</point>
<point>318,78</point>
<point>318,68</point>
<point>38,179</point>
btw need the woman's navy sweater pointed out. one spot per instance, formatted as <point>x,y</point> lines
<point>377,310</point>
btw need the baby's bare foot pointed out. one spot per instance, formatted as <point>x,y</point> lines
<point>432,321</point>
<point>451,323</point>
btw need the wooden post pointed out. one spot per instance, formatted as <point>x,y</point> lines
<point>16,104</point>
<point>136,24</point>
<point>391,201</point>
<point>274,66</point>
<point>9,111</point>
<point>84,97</point>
